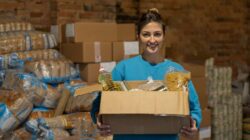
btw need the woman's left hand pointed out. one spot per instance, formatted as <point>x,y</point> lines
<point>191,131</point>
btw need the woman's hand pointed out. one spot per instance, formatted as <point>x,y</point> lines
<point>191,131</point>
<point>104,129</point>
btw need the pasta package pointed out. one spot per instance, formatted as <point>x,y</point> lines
<point>52,71</point>
<point>25,41</point>
<point>21,134</point>
<point>52,97</point>
<point>177,80</point>
<point>68,121</point>
<point>18,59</point>
<point>13,25</point>
<point>8,121</point>
<point>33,88</point>
<point>81,102</point>
<point>16,103</point>
<point>41,113</point>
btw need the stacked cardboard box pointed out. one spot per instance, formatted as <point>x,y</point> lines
<point>199,80</point>
<point>125,46</point>
<point>96,45</point>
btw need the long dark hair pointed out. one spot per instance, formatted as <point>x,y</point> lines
<point>151,15</point>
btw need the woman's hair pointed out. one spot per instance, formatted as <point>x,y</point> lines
<point>152,15</point>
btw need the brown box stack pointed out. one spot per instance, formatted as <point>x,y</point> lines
<point>199,81</point>
<point>90,71</point>
<point>125,46</point>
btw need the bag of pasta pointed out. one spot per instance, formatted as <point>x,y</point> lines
<point>62,122</point>
<point>17,103</point>
<point>20,134</point>
<point>177,80</point>
<point>52,71</point>
<point>41,112</point>
<point>14,109</point>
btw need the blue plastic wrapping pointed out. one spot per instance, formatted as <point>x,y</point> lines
<point>2,77</point>
<point>8,121</point>
<point>53,71</point>
<point>73,87</point>
<point>34,89</point>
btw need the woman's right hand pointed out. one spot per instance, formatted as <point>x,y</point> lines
<point>104,129</point>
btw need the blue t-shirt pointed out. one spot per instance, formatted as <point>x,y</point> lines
<point>137,68</point>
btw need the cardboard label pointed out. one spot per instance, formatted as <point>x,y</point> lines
<point>70,30</point>
<point>131,47</point>
<point>108,66</point>
<point>205,132</point>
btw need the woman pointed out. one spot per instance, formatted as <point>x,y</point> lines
<point>151,64</point>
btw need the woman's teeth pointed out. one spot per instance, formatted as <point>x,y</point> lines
<point>152,45</point>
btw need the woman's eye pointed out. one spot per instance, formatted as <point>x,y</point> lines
<point>146,35</point>
<point>158,34</point>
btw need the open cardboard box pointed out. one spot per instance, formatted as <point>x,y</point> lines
<point>145,112</point>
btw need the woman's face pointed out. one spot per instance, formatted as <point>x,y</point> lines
<point>151,37</point>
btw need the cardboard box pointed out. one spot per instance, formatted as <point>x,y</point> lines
<point>90,32</point>
<point>200,86</point>
<point>89,72</point>
<point>195,69</point>
<point>87,52</point>
<point>203,134</point>
<point>145,112</point>
<point>126,32</point>
<point>123,50</point>
<point>206,118</point>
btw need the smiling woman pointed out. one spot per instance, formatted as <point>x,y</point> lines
<point>152,65</point>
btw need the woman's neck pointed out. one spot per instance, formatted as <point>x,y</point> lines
<point>153,58</point>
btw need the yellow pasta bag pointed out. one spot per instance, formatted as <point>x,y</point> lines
<point>177,80</point>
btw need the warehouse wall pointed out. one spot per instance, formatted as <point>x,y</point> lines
<point>196,29</point>
<point>35,11</point>
<point>200,29</point>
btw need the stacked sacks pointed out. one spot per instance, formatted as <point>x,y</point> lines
<point>57,125</point>
<point>15,26</point>
<point>14,109</point>
<point>52,71</point>
<point>25,41</point>
<point>39,93</point>
<point>79,103</point>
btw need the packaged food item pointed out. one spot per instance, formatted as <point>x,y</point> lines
<point>41,112</point>
<point>34,89</point>
<point>52,71</point>
<point>16,103</point>
<point>67,121</point>
<point>14,25</point>
<point>2,77</point>
<point>25,41</point>
<point>17,60</point>
<point>81,103</point>
<point>20,134</point>
<point>105,79</point>
<point>177,80</point>
<point>8,121</point>
<point>152,86</point>
<point>52,97</point>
